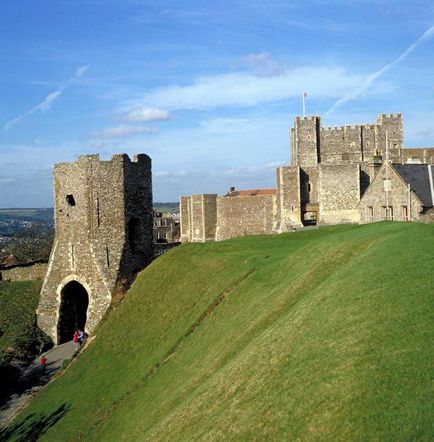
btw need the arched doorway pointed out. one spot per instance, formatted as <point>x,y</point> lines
<point>74,301</point>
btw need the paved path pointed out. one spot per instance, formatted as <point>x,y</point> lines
<point>32,379</point>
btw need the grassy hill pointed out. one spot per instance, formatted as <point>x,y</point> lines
<point>319,335</point>
<point>20,339</point>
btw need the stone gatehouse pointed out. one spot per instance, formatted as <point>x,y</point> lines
<point>103,237</point>
<point>331,169</point>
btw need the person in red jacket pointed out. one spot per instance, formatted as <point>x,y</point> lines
<point>43,363</point>
<point>76,340</point>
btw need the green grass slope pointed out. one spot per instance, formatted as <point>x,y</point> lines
<point>319,335</point>
<point>18,303</point>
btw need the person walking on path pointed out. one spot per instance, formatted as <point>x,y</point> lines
<point>43,363</point>
<point>76,340</point>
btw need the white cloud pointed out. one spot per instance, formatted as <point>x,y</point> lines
<point>224,125</point>
<point>96,144</point>
<point>263,65</point>
<point>6,180</point>
<point>47,102</point>
<point>247,89</point>
<point>144,113</point>
<point>371,78</point>
<point>123,130</point>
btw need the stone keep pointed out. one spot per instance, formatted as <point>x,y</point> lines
<point>103,217</point>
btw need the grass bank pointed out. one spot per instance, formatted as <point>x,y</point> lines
<point>326,334</point>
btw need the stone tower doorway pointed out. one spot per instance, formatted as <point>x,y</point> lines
<point>73,311</point>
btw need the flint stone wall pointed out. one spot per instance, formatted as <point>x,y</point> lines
<point>288,210</point>
<point>25,272</point>
<point>103,235</point>
<point>245,215</point>
<point>398,197</point>
<point>339,193</point>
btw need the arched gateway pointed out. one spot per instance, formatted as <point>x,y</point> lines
<point>72,312</point>
<point>103,215</point>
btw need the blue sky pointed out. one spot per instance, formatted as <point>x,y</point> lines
<point>208,89</point>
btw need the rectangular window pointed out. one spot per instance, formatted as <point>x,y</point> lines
<point>387,185</point>
<point>370,214</point>
<point>404,213</point>
<point>387,213</point>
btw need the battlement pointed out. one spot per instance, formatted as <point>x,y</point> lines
<point>306,118</point>
<point>397,115</point>
<point>332,128</point>
<point>118,158</point>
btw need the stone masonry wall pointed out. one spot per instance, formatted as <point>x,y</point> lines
<point>311,143</point>
<point>24,273</point>
<point>198,217</point>
<point>339,193</point>
<point>103,217</point>
<point>398,199</point>
<point>288,214</point>
<point>417,155</point>
<point>184,210</point>
<point>306,137</point>
<point>245,215</point>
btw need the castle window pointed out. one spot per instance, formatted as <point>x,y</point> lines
<point>70,200</point>
<point>404,213</point>
<point>370,214</point>
<point>107,256</point>
<point>387,213</point>
<point>309,187</point>
<point>97,212</point>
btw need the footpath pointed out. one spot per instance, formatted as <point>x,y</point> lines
<point>32,379</point>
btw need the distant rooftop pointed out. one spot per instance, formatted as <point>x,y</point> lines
<point>420,178</point>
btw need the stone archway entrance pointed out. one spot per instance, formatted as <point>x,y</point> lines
<point>74,301</point>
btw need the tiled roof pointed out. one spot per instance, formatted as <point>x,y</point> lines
<point>252,192</point>
<point>418,176</point>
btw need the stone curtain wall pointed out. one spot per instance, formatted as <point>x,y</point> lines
<point>398,197</point>
<point>339,193</point>
<point>184,203</point>
<point>103,216</point>
<point>198,217</point>
<point>245,215</point>
<point>288,199</point>
<point>24,273</point>
<point>418,155</point>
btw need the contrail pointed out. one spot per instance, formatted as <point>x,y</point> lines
<point>371,78</point>
<point>48,100</point>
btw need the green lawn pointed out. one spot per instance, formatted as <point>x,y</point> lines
<point>319,335</point>
<point>18,303</point>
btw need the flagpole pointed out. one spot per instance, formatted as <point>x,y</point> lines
<point>387,178</point>
<point>304,104</point>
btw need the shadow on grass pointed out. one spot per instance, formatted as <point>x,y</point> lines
<point>33,426</point>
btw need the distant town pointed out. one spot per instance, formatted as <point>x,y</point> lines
<point>26,234</point>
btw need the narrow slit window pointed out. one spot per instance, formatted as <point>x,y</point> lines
<point>107,255</point>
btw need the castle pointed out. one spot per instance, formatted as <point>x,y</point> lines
<point>331,180</point>
<point>103,217</point>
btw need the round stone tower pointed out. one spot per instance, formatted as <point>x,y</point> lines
<point>103,217</point>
